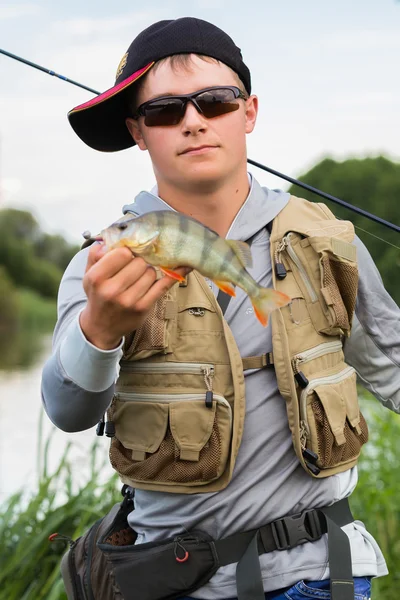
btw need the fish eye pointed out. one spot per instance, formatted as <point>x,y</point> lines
<point>122,226</point>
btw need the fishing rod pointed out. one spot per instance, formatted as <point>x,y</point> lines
<point>301,184</point>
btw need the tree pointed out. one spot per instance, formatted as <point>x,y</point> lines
<point>31,258</point>
<point>374,185</point>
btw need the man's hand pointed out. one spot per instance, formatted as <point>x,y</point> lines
<point>121,289</point>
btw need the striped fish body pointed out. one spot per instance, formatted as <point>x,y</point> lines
<point>169,239</point>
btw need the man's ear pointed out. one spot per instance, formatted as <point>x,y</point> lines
<point>135,131</point>
<point>251,113</point>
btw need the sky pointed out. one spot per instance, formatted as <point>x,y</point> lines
<point>326,74</point>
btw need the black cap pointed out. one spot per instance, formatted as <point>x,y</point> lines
<point>100,123</point>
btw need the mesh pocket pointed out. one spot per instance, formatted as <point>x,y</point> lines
<point>165,464</point>
<point>178,441</point>
<point>151,335</point>
<point>340,281</point>
<point>329,452</point>
<point>336,428</point>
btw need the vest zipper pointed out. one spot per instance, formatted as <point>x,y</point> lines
<point>286,245</point>
<point>206,370</point>
<point>168,367</point>
<point>166,398</point>
<point>337,378</point>
<point>308,355</point>
<point>313,353</point>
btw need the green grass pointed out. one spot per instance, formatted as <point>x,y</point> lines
<point>376,500</point>
<point>29,562</point>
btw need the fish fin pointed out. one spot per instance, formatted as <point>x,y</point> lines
<point>225,286</point>
<point>172,274</point>
<point>242,251</point>
<point>267,301</point>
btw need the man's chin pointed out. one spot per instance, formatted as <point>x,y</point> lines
<point>204,183</point>
<point>204,176</point>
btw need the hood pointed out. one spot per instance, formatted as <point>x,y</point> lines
<point>260,207</point>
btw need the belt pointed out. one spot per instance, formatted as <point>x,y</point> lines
<point>284,534</point>
<point>288,532</point>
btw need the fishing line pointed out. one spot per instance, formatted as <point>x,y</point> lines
<point>377,237</point>
<point>355,209</point>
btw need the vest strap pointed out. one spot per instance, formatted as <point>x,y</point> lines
<point>289,532</point>
<point>258,362</point>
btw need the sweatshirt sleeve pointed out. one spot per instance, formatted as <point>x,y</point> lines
<point>78,378</point>
<point>373,348</point>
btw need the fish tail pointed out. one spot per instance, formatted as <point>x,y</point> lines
<point>267,300</point>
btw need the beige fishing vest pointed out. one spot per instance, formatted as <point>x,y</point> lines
<point>179,404</point>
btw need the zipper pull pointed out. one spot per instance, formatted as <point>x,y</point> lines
<point>55,537</point>
<point>280,270</point>
<point>299,375</point>
<point>109,429</point>
<point>208,381</point>
<point>310,456</point>
<point>313,468</point>
<point>100,427</point>
<point>301,379</point>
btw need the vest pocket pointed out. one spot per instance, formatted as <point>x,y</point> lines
<point>170,438</point>
<point>339,280</point>
<point>154,336</point>
<point>332,425</point>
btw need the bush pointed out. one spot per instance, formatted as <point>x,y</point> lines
<point>8,305</point>
<point>376,500</point>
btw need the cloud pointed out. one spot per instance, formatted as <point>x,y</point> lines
<point>104,25</point>
<point>10,11</point>
<point>363,99</point>
<point>369,39</point>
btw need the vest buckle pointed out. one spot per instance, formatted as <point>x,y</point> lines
<point>197,312</point>
<point>296,529</point>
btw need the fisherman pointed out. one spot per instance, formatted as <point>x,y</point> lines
<point>209,443</point>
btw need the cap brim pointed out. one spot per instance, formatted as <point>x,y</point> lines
<point>100,123</point>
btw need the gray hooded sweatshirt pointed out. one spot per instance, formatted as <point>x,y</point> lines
<point>268,481</point>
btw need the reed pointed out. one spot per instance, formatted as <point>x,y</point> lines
<point>30,564</point>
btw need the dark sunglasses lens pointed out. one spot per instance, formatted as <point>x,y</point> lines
<point>164,112</point>
<point>214,103</point>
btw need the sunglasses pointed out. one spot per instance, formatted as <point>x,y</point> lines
<point>210,102</point>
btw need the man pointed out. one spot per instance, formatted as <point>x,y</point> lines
<point>198,152</point>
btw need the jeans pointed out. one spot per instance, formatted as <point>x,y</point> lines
<point>319,590</point>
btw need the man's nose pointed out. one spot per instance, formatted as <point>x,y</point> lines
<point>193,121</point>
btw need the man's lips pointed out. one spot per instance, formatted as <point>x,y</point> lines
<point>198,149</point>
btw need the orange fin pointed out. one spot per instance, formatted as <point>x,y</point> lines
<point>242,251</point>
<point>226,287</point>
<point>263,318</point>
<point>172,274</point>
<point>267,301</point>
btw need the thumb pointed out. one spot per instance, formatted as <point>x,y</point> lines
<point>96,252</point>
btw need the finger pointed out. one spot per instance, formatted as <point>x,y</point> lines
<point>161,286</point>
<point>96,251</point>
<point>105,266</point>
<point>137,276</point>
<point>134,294</point>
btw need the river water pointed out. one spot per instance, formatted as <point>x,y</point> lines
<point>20,415</point>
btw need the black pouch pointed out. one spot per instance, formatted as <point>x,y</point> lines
<point>157,571</point>
<point>84,568</point>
